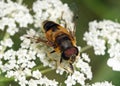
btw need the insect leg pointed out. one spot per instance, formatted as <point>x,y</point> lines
<point>48,54</point>
<point>38,40</point>
<point>60,59</point>
<point>71,67</point>
<point>53,51</point>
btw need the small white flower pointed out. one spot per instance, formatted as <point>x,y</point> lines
<point>97,43</point>
<point>27,71</point>
<point>9,55</point>
<point>7,42</point>
<point>79,77</point>
<point>60,70</point>
<point>1,56</point>
<point>37,74</point>
<point>23,81</point>
<point>114,51</point>
<point>32,82</point>
<point>85,57</point>
<point>23,18</point>
<point>1,47</point>
<point>114,63</point>
<point>70,81</point>
<point>31,33</point>
<point>12,31</point>
<point>45,81</point>
<point>52,83</point>
<point>42,58</point>
<point>10,74</point>
<point>84,68</point>
<point>31,64</point>
<point>25,43</point>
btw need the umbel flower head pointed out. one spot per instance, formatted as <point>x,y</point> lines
<point>105,33</point>
<point>42,51</point>
<point>21,63</point>
<point>12,15</point>
<point>52,10</point>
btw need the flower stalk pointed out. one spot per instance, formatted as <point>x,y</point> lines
<point>19,1</point>
<point>6,36</point>
<point>85,48</point>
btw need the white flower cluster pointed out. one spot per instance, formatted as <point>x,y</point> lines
<point>53,10</point>
<point>19,64</point>
<point>82,69</point>
<point>82,73</point>
<point>6,43</point>
<point>105,35</point>
<point>11,14</point>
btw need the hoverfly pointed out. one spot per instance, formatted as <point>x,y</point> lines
<point>62,40</point>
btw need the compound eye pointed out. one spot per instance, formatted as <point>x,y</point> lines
<point>64,56</point>
<point>70,52</point>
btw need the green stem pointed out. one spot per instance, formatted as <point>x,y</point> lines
<point>7,35</point>
<point>46,70</point>
<point>5,79</point>
<point>38,67</point>
<point>19,1</point>
<point>42,71</point>
<point>85,48</point>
